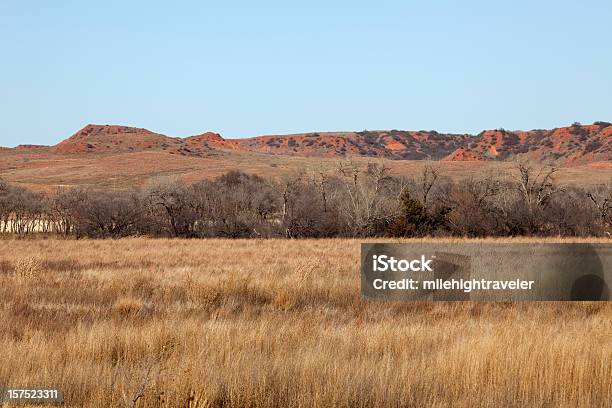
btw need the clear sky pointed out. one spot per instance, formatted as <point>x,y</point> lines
<point>261,67</point>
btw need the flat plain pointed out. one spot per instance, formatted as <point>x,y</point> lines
<point>277,323</point>
<point>46,172</point>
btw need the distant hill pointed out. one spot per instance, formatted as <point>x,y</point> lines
<point>571,144</point>
<point>109,139</point>
<point>118,157</point>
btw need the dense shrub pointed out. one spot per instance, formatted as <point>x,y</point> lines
<point>415,220</point>
<point>353,201</point>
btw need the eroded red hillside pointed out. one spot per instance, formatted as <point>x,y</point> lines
<point>572,144</point>
<point>110,139</point>
<point>30,147</point>
<point>576,143</point>
<point>393,144</point>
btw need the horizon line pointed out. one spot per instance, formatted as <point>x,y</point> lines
<point>302,132</point>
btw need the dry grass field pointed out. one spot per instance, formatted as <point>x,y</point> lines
<point>276,323</point>
<point>46,172</point>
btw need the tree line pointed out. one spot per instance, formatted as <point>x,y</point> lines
<point>351,201</point>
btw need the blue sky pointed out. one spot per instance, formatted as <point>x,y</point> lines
<point>252,68</point>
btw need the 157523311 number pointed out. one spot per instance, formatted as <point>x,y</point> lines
<point>31,395</point>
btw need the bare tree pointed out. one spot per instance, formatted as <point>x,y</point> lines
<point>537,185</point>
<point>427,181</point>
<point>64,210</point>
<point>323,183</point>
<point>474,211</point>
<point>350,170</point>
<point>172,197</point>
<point>369,203</point>
<point>380,175</point>
<point>601,197</point>
<point>359,200</point>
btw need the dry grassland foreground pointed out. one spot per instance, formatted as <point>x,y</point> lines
<point>276,323</point>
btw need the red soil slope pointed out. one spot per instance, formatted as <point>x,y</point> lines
<point>569,145</point>
<point>112,139</point>
<point>572,144</point>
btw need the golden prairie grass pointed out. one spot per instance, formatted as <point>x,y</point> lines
<point>277,323</point>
